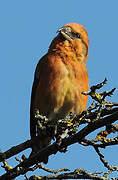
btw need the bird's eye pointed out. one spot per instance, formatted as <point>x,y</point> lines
<point>78,35</point>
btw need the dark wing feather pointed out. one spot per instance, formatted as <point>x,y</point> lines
<point>34,88</point>
<point>36,82</point>
<point>32,122</point>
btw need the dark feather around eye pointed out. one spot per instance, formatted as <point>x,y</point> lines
<point>76,35</point>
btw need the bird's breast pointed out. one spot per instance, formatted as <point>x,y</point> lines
<point>60,86</point>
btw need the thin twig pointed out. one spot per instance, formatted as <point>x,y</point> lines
<point>112,141</point>
<point>106,164</point>
<point>40,166</point>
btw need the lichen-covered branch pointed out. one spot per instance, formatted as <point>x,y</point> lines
<point>23,167</point>
<point>77,174</point>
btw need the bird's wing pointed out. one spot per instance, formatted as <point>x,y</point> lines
<point>33,93</point>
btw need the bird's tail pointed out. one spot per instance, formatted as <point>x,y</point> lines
<point>40,144</point>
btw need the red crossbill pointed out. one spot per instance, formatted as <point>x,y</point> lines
<point>60,77</point>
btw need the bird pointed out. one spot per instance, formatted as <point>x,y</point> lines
<point>60,78</point>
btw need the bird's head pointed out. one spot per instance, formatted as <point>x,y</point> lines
<point>75,36</point>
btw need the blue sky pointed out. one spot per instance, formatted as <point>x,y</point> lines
<point>26,31</point>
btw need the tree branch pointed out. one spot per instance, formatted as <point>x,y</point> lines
<point>77,174</point>
<point>28,144</point>
<point>23,167</point>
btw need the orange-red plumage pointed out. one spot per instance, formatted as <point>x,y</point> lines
<point>60,77</point>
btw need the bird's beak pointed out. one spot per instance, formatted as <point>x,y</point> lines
<point>64,31</point>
